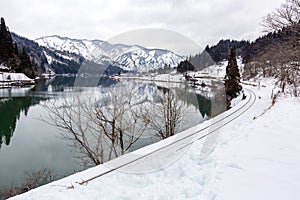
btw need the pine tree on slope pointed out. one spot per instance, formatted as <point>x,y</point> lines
<point>232,79</point>
<point>10,56</point>
<point>6,45</point>
<point>26,66</point>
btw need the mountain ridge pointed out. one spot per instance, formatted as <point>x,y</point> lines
<point>128,57</point>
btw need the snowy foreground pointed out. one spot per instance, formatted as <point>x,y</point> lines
<point>256,157</point>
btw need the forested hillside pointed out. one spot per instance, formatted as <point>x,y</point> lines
<point>13,58</point>
<point>276,53</point>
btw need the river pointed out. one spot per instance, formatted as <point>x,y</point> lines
<point>28,143</point>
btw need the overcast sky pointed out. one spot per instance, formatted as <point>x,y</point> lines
<point>204,21</point>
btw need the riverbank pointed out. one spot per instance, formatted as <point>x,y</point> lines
<point>14,79</point>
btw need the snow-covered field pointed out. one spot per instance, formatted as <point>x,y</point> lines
<point>255,157</point>
<point>261,160</point>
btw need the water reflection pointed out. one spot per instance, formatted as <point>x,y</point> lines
<point>10,109</point>
<point>105,124</point>
<point>13,101</point>
<point>22,135</point>
<point>10,112</point>
<point>199,101</point>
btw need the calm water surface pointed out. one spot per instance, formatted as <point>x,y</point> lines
<point>27,143</point>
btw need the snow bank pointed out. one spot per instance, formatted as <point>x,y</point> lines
<point>4,67</point>
<point>263,162</point>
<point>13,77</point>
<point>16,79</point>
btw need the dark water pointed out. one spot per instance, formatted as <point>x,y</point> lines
<point>27,143</point>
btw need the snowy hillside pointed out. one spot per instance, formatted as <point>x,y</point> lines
<point>131,58</point>
<point>218,70</point>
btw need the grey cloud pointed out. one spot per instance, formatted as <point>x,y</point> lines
<point>205,21</point>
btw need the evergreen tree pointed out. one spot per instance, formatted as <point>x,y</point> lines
<point>25,66</point>
<point>185,66</point>
<point>10,56</point>
<point>16,50</point>
<point>232,78</point>
<point>6,45</point>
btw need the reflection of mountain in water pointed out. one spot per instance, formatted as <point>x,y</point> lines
<point>11,106</point>
<point>207,106</point>
<point>10,110</point>
<point>60,83</point>
<point>202,103</point>
<point>14,101</point>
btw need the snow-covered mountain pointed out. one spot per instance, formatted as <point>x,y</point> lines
<point>131,58</point>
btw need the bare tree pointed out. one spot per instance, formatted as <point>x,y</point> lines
<point>119,119</point>
<point>288,15</point>
<point>281,58</point>
<point>99,129</point>
<point>278,60</point>
<point>163,117</point>
<point>107,125</point>
<point>32,179</point>
<point>72,116</point>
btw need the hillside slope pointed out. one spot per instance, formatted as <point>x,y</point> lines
<point>130,58</point>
